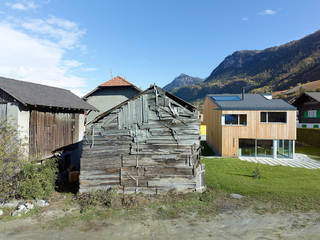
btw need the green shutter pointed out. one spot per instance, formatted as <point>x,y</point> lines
<point>318,113</point>
<point>304,126</point>
<point>316,126</point>
<point>306,114</point>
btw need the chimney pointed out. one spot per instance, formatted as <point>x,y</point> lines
<point>243,91</point>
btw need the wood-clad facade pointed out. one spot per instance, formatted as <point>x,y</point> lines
<point>149,143</point>
<point>224,139</point>
<point>52,130</point>
<point>308,105</point>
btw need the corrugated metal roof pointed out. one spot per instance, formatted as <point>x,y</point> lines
<point>250,102</point>
<point>34,94</point>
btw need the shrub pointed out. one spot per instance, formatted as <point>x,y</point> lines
<point>12,158</point>
<point>37,181</point>
<point>96,198</point>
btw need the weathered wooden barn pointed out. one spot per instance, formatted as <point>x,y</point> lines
<point>109,94</point>
<point>149,143</point>
<point>46,117</point>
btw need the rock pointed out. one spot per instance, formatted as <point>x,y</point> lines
<point>11,204</point>
<point>21,209</point>
<point>236,196</point>
<point>1,212</point>
<point>41,203</point>
<point>29,206</point>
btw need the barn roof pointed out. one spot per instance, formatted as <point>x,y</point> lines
<point>160,90</point>
<point>248,102</point>
<point>114,82</point>
<point>33,94</point>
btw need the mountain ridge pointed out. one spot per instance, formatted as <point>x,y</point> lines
<point>272,69</point>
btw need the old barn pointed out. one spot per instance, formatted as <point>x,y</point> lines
<point>149,143</point>
<point>47,117</point>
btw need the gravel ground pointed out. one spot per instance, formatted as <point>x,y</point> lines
<point>238,224</point>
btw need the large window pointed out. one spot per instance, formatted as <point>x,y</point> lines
<point>273,117</point>
<point>234,119</point>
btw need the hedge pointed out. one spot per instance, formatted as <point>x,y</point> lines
<point>309,136</point>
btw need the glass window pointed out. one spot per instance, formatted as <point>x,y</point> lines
<point>231,119</point>
<point>312,114</point>
<point>263,117</point>
<point>277,117</point>
<point>243,119</point>
<point>273,117</point>
<point>247,147</point>
<point>265,148</point>
<point>235,119</point>
<point>285,149</point>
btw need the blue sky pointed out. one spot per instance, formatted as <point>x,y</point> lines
<point>76,44</point>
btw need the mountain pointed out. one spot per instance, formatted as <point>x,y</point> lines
<point>181,81</point>
<point>272,69</point>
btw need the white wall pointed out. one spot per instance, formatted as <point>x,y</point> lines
<point>81,127</point>
<point>19,118</point>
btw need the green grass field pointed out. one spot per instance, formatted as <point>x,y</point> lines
<point>290,187</point>
<point>312,152</point>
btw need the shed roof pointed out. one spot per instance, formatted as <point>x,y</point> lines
<point>160,90</point>
<point>114,82</point>
<point>249,102</point>
<point>34,94</point>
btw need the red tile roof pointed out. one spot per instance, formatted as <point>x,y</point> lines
<point>116,82</point>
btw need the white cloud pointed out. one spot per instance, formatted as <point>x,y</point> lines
<point>72,63</point>
<point>65,33</point>
<point>26,57</point>
<point>89,69</point>
<point>22,5</point>
<point>244,19</point>
<point>267,12</point>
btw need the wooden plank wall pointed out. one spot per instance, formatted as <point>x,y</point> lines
<point>50,130</point>
<point>256,130</point>
<point>212,118</point>
<point>150,144</point>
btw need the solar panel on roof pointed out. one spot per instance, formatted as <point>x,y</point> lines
<point>226,98</point>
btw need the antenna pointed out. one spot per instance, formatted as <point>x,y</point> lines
<point>111,72</point>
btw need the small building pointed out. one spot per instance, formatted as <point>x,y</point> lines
<point>250,125</point>
<point>46,117</point>
<point>109,94</point>
<point>308,105</point>
<point>149,143</point>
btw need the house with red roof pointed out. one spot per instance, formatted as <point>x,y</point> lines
<point>109,94</point>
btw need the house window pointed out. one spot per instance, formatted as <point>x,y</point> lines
<point>273,117</point>
<point>234,119</point>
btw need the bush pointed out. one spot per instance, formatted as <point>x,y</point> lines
<point>12,158</point>
<point>37,181</point>
<point>97,198</point>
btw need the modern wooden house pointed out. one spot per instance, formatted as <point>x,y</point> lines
<point>149,143</point>
<point>308,105</point>
<point>250,125</point>
<point>109,94</point>
<point>46,117</point>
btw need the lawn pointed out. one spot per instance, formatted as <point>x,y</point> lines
<point>290,187</point>
<point>312,152</point>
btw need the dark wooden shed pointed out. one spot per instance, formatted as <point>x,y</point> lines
<point>149,143</point>
<point>46,117</point>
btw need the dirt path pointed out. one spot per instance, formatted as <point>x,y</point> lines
<point>240,224</point>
